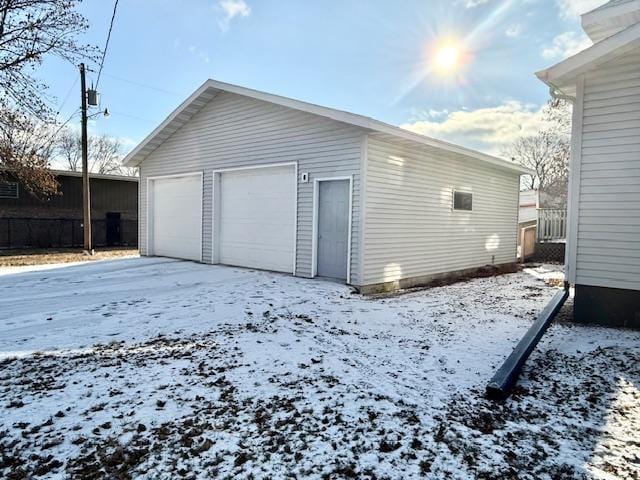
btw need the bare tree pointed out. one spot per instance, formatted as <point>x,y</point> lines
<point>30,31</point>
<point>105,153</point>
<point>69,149</point>
<point>129,171</point>
<point>26,147</point>
<point>558,113</point>
<point>547,153</point>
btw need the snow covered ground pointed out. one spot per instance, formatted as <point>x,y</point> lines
<point>156,368</point>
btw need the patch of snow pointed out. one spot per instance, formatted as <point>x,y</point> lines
<point>157,368</point>
<point>546,271</point>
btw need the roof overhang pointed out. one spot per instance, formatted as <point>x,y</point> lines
<point>562,76</point>
<point>101,176</point>
<point>610,18</point>
<point>72,173</point>
<point>209,89</point>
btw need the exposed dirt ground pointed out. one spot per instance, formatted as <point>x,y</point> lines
<point>20,258</point>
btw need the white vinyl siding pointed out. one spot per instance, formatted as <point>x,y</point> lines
<point>237,131</point>
<point>608,233</point>
<point>411,228</point>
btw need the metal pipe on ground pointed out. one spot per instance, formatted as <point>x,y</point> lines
<point>507,375</point>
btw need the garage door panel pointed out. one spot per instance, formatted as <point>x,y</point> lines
<point>257,218</point>
<point>247,255</point>
<point>177,217</point>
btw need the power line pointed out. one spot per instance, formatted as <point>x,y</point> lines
<point>106,45</point>
<point>55,133</point>
<point>66,97</point>
<point>144,85</point>
<point>132,116</point>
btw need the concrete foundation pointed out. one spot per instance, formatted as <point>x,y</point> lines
<point>612,307</point>
<point>438,279</point>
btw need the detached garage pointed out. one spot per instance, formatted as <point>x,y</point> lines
<point>239,177</point>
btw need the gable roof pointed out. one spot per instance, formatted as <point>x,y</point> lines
<point>209,89</point>
<point>562,76</point>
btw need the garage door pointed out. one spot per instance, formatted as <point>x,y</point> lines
<point>177,217</point>
<point>257,218</point>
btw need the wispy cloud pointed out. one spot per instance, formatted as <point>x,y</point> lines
<point>513,30</point>
<point>474,3</point>
<point>199,53</point>
<point>230,9</point>
<point>490,129</point>
<point>575,8</point>
<point>193,50</point>
<point>565,45</point>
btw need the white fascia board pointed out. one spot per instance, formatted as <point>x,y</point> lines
<point>564,73</point>
<point>450,147</point>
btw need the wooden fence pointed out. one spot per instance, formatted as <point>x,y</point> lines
<point>552,224</point>
<point>63,232</point>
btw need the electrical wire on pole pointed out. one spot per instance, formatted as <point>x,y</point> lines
<point>86,188</point>
<point>106,45</point>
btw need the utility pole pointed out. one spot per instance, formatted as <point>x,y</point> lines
<point>86,194</point>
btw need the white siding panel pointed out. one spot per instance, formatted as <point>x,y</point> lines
<point>235,131</point>
<point>411,229</point>
<point>608,238</point>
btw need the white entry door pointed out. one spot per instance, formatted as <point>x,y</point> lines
<point>176,220</point>
<point>257,218</point>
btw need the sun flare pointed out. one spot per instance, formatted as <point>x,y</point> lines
<point>447,58</point>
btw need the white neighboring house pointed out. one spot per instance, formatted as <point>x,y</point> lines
<point>241,177</point>
<point>603,239</point>
<point>528,208</point>
<point>527,223</point>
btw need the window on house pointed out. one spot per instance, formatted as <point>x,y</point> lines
<point>462,201</point>
<point>8,189</point>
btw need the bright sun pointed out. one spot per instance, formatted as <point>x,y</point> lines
<point>447,58</point>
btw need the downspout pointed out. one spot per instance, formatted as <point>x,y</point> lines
<point>506,376</point>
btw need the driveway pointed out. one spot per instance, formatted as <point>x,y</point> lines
<point>157,368</point>
<point>76,305</point>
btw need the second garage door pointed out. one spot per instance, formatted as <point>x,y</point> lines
<point>257,218</point>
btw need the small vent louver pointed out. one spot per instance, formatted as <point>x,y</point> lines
<point>8,189</point>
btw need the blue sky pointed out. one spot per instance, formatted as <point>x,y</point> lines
<point>372,57</point>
